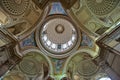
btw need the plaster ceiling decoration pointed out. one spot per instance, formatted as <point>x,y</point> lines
<point>24,24</point>
<point>15,7</point>
<point>95,16</point>
<point>87,68</point>
<point>58,35</point>
<point>29,66</point>
<point>80,65</point>
<point>51,46</point>
<point>33,64</point>
<point>77,5</point>
<point>18,29</point>
<point>101,7</point>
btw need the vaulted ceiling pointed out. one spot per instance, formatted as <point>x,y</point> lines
<point>54,39</point>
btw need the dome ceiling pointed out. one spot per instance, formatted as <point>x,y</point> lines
<point>58,35</point>
<point>53,40</point>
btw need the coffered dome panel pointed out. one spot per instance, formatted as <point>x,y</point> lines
<point>101,7</point>
<point>29,66</point>
<point>15,7</point>
<point>33,63</point>
<point>87,68</point>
